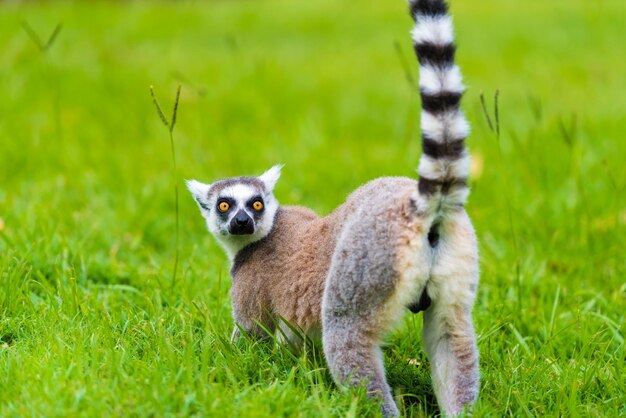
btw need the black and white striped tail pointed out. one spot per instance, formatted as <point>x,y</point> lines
<point>444,165</point>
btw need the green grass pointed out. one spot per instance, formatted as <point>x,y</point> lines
<point>89,322</point>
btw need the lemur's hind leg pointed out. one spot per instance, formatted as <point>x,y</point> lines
<point>449,338</point>
<point>354,357</point>
<point>367,292</point>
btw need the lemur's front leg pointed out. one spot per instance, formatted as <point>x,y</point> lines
<point>252,319</point>
<point>449,338</point>
<point>235,336</point>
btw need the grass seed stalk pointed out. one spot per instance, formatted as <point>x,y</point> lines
<point>169,124</point>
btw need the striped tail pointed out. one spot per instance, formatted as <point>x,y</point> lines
<point>444,165</point>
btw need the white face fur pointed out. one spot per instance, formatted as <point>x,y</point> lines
<point>240,210</point>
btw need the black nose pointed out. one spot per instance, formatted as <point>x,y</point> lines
<point>241,224</point>
<point>242,220</point>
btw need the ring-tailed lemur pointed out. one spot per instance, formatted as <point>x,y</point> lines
<point>396,243</point>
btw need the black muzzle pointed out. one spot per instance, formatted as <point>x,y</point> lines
<point>241,224</point>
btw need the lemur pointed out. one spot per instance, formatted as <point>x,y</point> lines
<point>395,243</point>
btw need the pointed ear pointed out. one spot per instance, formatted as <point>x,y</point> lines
<point>200,193</point>
<point>271,176</point>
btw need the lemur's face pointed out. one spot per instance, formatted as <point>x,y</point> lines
<point>239,210</point>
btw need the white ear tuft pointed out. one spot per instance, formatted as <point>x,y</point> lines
<point>200,192</point>
<point>271,176</point>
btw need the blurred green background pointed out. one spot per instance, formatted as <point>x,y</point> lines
<point>91,322</point>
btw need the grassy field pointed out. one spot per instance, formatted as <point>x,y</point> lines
<point>91,321</point>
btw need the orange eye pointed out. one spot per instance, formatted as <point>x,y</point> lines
<point>223,206</point>
<point>257,205</point>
